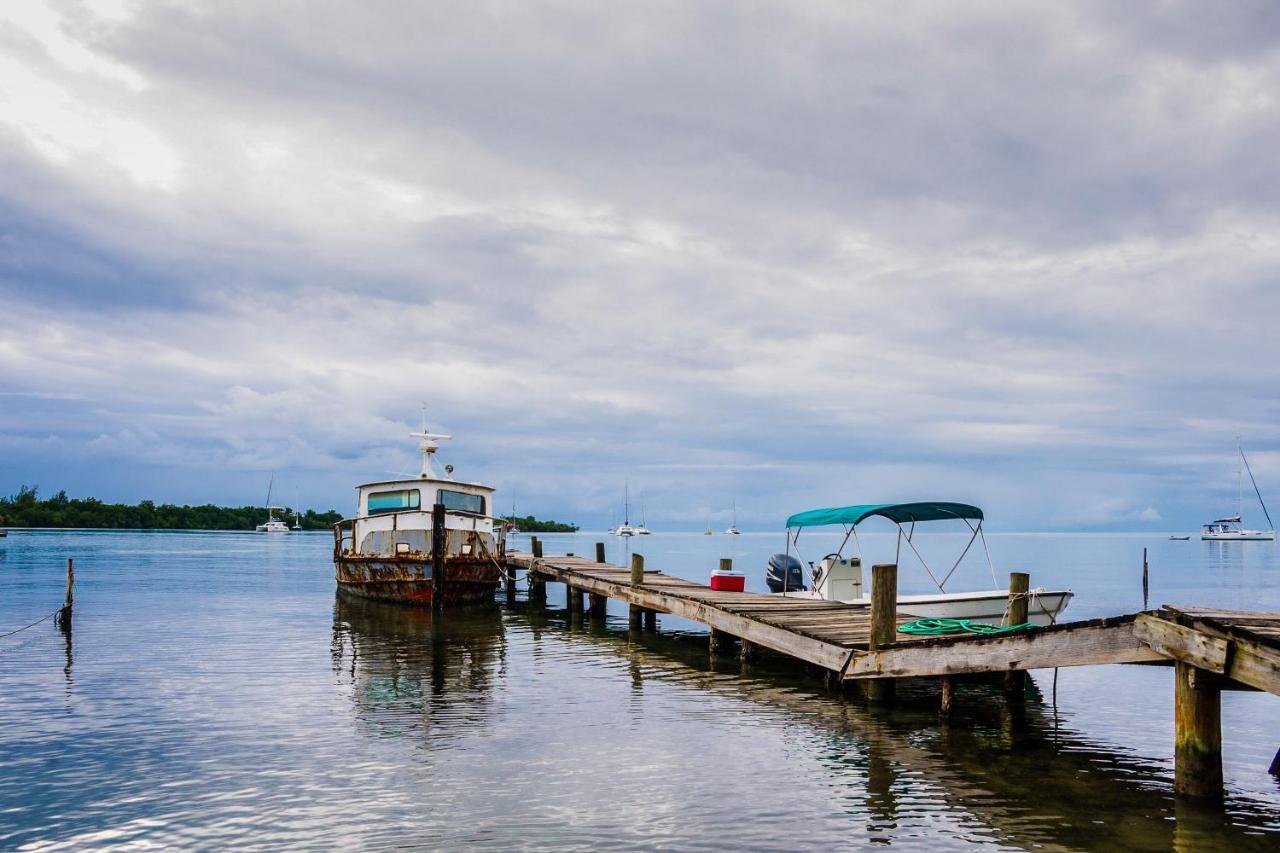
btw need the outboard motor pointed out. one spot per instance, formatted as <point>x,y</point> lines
<point>784,574</point>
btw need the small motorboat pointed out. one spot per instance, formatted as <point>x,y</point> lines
<point>839,578</point>
<point>1177,538</point>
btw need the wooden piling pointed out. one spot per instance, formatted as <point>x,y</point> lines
<point>599,552</point>
<point>948,697</point>
<point>651,620</point>
<point>1015,681</point>
<point>63,619</point>
<point>748,651</point>
<point>1197,734</point>
<point>537,583</point>
<point>1145,578</point>
<point>884,625</point>
<point>637,579</point>
<point>438,535</point>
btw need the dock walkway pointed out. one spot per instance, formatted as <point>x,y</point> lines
<point>1212,650</point>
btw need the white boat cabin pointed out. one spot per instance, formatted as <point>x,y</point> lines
<point>393,517</point>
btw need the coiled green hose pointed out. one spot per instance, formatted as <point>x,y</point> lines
<point>941,626</point>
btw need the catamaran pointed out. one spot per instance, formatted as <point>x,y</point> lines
<point>732,529</point>
<point>1232,527</point>
<point>839,578</point>
<point>384,552</point>
<point>272,524</point>
<point>625,528</point>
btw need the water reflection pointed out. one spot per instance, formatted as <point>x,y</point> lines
<point>412,676</point>
<point>1013,774</point>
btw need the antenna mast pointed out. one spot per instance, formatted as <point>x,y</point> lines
<point>428,446</point>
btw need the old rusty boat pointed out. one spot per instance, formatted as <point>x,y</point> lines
<point>387,551</point>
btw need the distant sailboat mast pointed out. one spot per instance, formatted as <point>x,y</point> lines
<point>1270,524</point>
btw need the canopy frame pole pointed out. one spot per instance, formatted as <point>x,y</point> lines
<point>987,551</point>
<point>897,551</point>
<point>919,557</point>
<point>847,533</point>
<point>962,553</point>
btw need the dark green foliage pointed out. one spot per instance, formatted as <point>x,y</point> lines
<point>529,524</point>
<point>25,509</point>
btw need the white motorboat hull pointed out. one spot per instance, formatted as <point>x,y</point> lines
<point>1241,536</point>
<point>989,606</point>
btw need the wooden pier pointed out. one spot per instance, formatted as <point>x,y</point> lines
<point>1210,650</point>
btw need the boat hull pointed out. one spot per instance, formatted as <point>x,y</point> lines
<point>1241,536</point>
<point>1043,607</point>
<point>467,582</point>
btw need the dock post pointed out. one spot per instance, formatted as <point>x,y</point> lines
<point>948,697</point>
<point>748,652</point>
<point>637,578</point>
<point>537,584</point>
<point>438,544</point>
<point>884,625</point>
<point>1197,734</point>
<point>599,602</point>
<point>1015,681</point>
<point>63,618</point>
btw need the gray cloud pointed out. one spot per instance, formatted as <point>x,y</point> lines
<point>788,255</point>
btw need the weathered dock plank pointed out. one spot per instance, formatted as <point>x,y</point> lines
<point>1097,641</point>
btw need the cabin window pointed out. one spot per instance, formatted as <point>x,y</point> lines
<point>462,502</point>
<point>396,501</point>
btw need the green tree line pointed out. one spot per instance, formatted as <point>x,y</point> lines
<point>529,524</point>
<point>25,509</point>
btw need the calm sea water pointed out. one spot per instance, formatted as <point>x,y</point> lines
<point>215,692</point>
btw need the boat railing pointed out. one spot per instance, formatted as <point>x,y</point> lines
<point>345,540</point>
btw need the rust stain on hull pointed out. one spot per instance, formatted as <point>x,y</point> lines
<point>409,580</point>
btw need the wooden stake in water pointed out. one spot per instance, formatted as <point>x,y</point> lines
<point>64,615</point>
<point>1144,579</point>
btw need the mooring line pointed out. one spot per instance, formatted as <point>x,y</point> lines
<point>32,625</point>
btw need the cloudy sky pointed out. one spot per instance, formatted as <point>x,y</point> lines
<point>788,255</point>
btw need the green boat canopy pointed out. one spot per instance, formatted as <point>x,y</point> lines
<point>897,513</point>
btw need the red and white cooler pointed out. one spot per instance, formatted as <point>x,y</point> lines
<point>727,580</point>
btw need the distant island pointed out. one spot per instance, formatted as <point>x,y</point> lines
<point>25,509</point>
<point>529,524</point>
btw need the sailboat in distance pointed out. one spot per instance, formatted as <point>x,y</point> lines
<point>1232,527</point>
<point>625,528</point>
<point>732,529</point>
<point>272,524</point>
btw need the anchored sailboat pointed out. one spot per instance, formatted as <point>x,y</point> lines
<point>272,524</point>
<point>625,528</point>
<point>1232,527</point>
